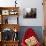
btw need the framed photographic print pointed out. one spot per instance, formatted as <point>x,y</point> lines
<point>30,13</point>
<point>13,12</point>
<point>5,12</point>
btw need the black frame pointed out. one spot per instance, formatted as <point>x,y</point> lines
<point>31,14</point>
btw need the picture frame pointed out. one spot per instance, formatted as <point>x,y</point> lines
<point>13,12</point>
<point>30,13</point>
<point>5,12</point>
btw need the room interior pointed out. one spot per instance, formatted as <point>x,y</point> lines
<point>13,23</point>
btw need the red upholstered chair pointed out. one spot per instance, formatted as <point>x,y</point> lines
<point>29,33</point>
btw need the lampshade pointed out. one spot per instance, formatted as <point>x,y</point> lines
<point>15,30</point>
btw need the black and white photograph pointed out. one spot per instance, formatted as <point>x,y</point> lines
<point>30,13</point>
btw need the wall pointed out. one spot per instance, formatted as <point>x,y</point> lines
<point>7,3</point>
<point>27,4</point>
<point>32,4</point>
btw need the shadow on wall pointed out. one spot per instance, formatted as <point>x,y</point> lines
<point>37,29</point>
